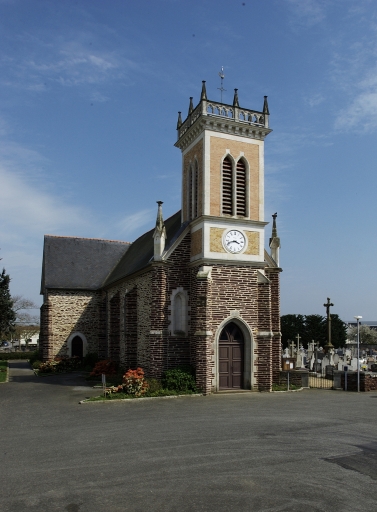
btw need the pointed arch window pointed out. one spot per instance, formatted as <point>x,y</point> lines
<point>234,188</point>
<point>241,188</point>
<point>178,312</point>
<point>227,192</point>
<point>193,191</point>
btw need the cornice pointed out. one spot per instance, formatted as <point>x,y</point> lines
<point>239,263</point>
<point>226,220</point>
<point>221,125</point>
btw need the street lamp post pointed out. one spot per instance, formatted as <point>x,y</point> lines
<point>358,318</point>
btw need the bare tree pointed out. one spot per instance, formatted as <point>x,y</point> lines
<point>27,323</point>
<point>367,335</point>
<point>26,332</point>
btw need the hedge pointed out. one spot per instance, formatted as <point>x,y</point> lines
<point>7,356</point>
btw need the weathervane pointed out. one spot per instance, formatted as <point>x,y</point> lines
<point>221,88</point>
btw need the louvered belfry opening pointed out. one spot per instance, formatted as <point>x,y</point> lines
<point>241,189</point>
<point>227,205</point>
<point>190,193</point>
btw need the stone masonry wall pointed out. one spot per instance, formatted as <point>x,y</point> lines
<point>196,152</point>
<point>273,275</point>
<point>134,311</point>
<point>65,312</point>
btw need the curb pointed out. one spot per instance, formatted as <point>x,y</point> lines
<point>115,400</point>
<point>289,390</point>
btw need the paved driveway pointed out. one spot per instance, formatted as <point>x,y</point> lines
<point>308,451</point>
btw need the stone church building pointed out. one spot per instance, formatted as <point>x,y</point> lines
<point>199,288</point>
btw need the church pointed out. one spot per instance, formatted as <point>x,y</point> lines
<point>199,288</point>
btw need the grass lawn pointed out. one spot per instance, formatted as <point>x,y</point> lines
<point>3,371</point>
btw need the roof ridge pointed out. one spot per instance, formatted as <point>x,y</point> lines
<point>85,238</point>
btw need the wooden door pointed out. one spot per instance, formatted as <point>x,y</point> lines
<point>231,351</point>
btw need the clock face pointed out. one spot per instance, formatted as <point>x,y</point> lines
<point>234,241</point>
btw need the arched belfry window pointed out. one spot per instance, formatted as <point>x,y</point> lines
<point>227,192</point>
<point>234,189</point>
<point>193,191</point>
<point>241,188</point>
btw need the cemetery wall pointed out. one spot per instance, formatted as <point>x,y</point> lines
<point>368,381</point>
<point>298,378</point>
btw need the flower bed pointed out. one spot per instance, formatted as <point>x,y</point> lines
<point>59,365</point>
<point>179,381</point>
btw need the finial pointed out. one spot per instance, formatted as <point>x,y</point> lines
<point>265,106</point>
<point>179,122</point>
<point>191,106</point>
<point>203,96</point>
<point>275,241</point>
<point>235,99</point>
<point>159,234</point>
<point>274,228</point>
<point>160,221</point>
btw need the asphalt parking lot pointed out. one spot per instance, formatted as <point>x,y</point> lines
<point>314,450</point>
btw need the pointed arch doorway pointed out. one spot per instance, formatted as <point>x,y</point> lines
<point>231,357</point>
<point>77,347</point>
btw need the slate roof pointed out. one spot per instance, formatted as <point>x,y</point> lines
<point>79,263</point>
<point>141,251</point>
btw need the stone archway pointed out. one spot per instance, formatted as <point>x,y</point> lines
<point>77,345</point>
<point>247,357</point>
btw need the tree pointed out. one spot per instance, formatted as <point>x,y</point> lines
<point>314,329</point>
<point>291,325</point>
<point>21,305</point>
<point>338,331</point>
<point>367,335</point>
<point>7,315</point>
<point>26,332</point>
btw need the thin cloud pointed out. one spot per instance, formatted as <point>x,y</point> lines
<point>306,12</point>
<point>361,112</point>
<point>315,100</point>
<point>30,210</point>
<point>67,63</point>
<point>133,222</point>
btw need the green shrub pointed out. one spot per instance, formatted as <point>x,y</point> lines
<point>36,365</point>
<point>179,379</point>
<point>34,356</point>
<point>154,385</point>
<point>8,356</point>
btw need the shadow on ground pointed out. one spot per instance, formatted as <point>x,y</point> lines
<point>21,371</point>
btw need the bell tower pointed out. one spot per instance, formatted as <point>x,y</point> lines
<point>223,179</point>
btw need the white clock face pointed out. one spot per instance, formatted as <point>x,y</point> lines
<point>234,241</point>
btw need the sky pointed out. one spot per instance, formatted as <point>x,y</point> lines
<point>89,95</point>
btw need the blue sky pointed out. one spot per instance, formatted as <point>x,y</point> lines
<point>88,107</point>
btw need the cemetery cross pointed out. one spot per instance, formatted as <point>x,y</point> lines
<point>327,306</point>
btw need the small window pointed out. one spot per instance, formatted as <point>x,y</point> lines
<point>179,312</point>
